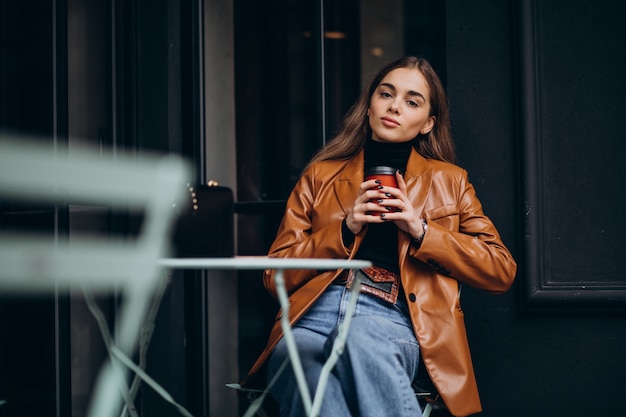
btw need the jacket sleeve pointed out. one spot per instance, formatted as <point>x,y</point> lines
<point>471,251</point>
<point>304,234</point>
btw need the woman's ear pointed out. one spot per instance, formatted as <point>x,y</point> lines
<point>428,126</point>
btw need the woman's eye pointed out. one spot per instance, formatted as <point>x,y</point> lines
<point>385,94</point>
<point>412,103</point>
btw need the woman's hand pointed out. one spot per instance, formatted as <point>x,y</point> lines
<point>407,219</point>
<point>358,216</point>
<point>378,204</point>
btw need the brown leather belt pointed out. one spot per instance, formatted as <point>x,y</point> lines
<point>375,280</point>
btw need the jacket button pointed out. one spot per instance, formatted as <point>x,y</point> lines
<point>412,297</point>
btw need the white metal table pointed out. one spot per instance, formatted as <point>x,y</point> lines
<point>312,407</point>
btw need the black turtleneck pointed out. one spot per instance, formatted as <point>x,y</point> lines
<point>393,155</point>
<point>380,245</point>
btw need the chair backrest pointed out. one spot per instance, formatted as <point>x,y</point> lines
<point>34,172</point>
<point>33,263</point>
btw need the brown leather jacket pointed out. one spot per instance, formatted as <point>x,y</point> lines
<point>461,246</point>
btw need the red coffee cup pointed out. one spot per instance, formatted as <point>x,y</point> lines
<point>386,176</point>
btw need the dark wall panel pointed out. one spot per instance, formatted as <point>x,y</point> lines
<point>557,361</point>
<point>572,106</point>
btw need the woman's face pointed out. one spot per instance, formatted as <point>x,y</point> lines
<point>400,107</point>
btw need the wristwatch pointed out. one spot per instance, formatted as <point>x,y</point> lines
<point>418,242</point>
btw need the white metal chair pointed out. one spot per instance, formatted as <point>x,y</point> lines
<point>97,264</point>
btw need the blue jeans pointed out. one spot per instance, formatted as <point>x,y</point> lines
<point>373,375</point>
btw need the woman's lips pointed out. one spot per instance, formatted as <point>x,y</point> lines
<point>387,121</point>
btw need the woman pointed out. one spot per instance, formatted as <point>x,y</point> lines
<point>424,238</point>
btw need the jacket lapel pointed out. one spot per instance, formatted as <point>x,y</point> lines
<point>418,178</point>
<point>348,182</point>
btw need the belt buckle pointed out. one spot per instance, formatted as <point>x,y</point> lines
<point>385,290</point>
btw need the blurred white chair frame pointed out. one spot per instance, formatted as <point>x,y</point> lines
<point>313,404</point>
<point>96,264</point>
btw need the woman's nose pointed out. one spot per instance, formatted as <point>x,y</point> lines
<point>393,107</point>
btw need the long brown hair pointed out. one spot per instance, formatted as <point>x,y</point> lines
<point>355,129</point>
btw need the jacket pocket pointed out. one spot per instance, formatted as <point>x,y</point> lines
<point>446,216</point>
